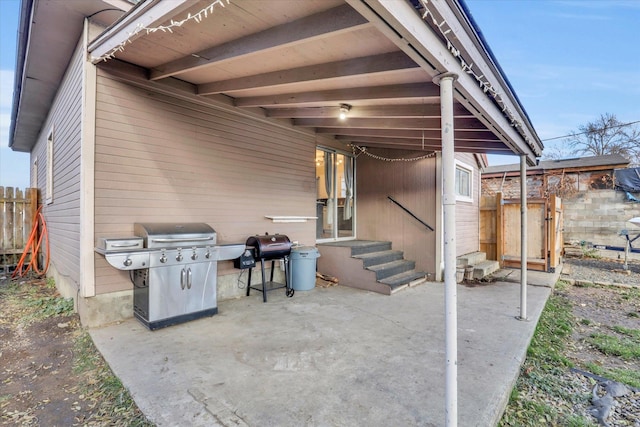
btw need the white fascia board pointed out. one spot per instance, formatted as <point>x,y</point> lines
<point>148,14</point>
<point>405,27</point>
<point>470,42</point>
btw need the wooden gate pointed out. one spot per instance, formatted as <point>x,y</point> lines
<point>500,236</point>
<point>17,210</point>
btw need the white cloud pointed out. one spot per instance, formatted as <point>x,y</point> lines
<point>6,95</point>
<point>6,89</point>
<point>14,167</point>
<point>5,121</point>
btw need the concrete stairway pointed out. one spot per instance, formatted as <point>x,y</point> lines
<point>481,266</point>
<point>381,269</point>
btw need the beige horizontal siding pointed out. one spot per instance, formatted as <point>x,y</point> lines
<point>63,215</point>
<point>163,159</point>
<point>468,213</point>
<point>413,185</point>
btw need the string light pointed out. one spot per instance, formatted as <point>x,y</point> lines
<point>485,85</point>
<point>198,17</point>
<point>363,150</point>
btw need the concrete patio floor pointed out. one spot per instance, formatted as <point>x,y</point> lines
<point>329,357</point>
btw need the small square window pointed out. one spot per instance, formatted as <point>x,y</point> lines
<point>464,182</point>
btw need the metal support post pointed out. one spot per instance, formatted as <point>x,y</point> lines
<point>523,237</point>
<point>449,241</point>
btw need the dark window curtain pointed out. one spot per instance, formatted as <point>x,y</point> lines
<point>328,183</point>
<point>348,180</point>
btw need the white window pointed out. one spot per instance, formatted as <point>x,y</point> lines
<point>464,182</point>
<point>49,185</point>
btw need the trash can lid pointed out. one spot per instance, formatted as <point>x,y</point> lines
<point>304,251</point>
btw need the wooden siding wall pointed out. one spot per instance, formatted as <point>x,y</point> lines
<point>413,185</point>
<point>468,213</point>
<point>163,159</point>
<point>63,215</point>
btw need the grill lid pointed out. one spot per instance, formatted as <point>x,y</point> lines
<point>173,235</point>
<point>270,246</point>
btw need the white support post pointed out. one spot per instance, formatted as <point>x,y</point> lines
<point>446,81</point>
<point>523,237</point>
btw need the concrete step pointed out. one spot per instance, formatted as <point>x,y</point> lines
<point>485,268</point>
<point>472,258</point>
<point>392,268</point>
<point>402,280</point>
<point>368,264</point>
<point>382,257</point>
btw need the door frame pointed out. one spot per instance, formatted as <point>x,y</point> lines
<point>336,237</point>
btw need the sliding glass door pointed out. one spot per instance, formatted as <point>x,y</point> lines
<point>335,198</point>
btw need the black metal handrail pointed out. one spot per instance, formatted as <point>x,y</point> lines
<point>410,213</point>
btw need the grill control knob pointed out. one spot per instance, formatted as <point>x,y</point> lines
<point>207,255</point>
<point>179,257</point>
<point>194,256</point>
<point>128,262</point>
<point>163,258</point>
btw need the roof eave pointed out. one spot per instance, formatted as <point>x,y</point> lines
<point>405,26</point>
<point>26,8</point>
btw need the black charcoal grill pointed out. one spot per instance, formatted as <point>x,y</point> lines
<point>271,247</point>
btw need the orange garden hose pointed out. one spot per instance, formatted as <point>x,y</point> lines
<point>33,247</point>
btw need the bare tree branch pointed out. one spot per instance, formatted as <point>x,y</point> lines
<point>606,135</point>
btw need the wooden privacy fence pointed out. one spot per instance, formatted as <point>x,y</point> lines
<point>17,210</point>
<point>500,236</point>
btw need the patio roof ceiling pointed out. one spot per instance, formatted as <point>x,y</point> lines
<point>300,61</point>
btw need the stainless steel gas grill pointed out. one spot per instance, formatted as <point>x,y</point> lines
<point>271,247</point>
<point>173,269</point>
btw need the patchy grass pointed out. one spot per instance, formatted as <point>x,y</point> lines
<point>544,394</point>
<point>633,333</point>
<point>110,401</point>
<point>626,376</point>
<point>48,306</point>
<point>52,374</point>
<point>611,345</point>
<point>547,393</point>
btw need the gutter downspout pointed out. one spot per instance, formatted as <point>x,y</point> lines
<point>446,81</point>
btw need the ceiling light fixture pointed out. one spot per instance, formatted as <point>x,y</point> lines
<point>344,109</point>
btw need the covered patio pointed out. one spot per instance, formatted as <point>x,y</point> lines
<point>329,357</point>
<point>219,84</point>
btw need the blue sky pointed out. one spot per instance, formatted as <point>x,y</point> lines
<point>14,167</point>
<point>569,61</point>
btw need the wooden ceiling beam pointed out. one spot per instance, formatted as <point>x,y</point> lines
<point>398,111</point>
<point>432,142</point>
<point>388,123</point>
<point>416,91</point>
<point>385,63</point>
<point>332,21</point>
<point>409,133</point>
<point>402,145</point>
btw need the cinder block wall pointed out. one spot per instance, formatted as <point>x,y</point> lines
<point>598,216</point>
<point>510,187</point>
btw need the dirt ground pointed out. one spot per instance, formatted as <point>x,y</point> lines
<point>46,381</point>
<point>50,373</point>
<point>602,310</point>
